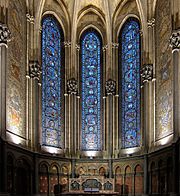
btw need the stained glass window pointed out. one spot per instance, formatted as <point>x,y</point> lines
<point>130,83</point>
<point>52,79</point>
<point>91,129</point>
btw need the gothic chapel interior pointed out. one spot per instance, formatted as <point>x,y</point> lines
<point>90,97</point>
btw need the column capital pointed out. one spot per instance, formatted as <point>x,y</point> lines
<point>174,40</point>
<point>115,45</point>
<point>151,22</point>
<point>40,29</point>
<point>77,47</point>
<point>104,48</point>
<point>34,70</point>
<point>30,18</point>
<point>110,87</point>
<point>141,32</point>
<point>72,87</point>
<point>67,44</point>
<point>5,34</point>
<point>146,72</point>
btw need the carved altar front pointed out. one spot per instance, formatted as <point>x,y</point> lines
<point>91,183</point>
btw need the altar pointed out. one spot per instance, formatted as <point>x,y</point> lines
<point>92,185</point>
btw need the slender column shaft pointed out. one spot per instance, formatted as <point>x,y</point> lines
<point>110,92</point>
<point>105,130</point>
<point>67,134</point>
<point>175,44</point>
<point>176,97</point>
<point>5,37</point>
<point>3,65</point>
<point>78,135</point>
<point>110,130</point>
<point>105,142</point>
<point>34,73</point>
<point>67,45</point>
<point>72,91</point>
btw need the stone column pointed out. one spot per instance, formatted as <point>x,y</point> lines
<point>146,78</point>
<point>34,74</point>
<point>175,44</point>
<point>78,102</point>
<point>4,38</point>
<point>67,45</point>
<point>115,102</point>
<point>151,25</point>
<point>115,58</point>
<point>110,92</point>
<point>29,29</point>
<point>152,87</point>
<point>105,145</point>
<point>72,89</point>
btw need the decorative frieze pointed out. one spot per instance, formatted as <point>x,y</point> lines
<point>30,18</point>
<point>151,23</point>
<point>34,69</point>
<point>72,86</point>
<point>110,87</point>
<point>5,34</point>
<point>67,44</point>
<point>147,72</point>
<point>175,40</point>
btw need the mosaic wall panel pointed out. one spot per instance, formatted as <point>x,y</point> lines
<point>16,68</point>
<point>164,71</point>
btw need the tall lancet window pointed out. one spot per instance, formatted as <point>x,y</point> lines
<point>129,82</point>
<point>52,83</point>
<point>91,91</point>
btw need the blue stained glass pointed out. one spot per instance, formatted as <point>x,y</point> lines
<point>130,83</point>
<point>52,114</point>
<point>91,129</point>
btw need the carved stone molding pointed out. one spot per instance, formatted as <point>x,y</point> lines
<point>72,86</point>
<point>110,87</point>
<point>30,18</point>
<point>147,72</point>
<point>151,22</point>
<point>104,48</point>
<point>175,40</point>
<point>34,70</point>
<point>5,34</point>
<point>67,44</point>
<point>115,45</point>
<point>77,47</point>
<point>141,32</point>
